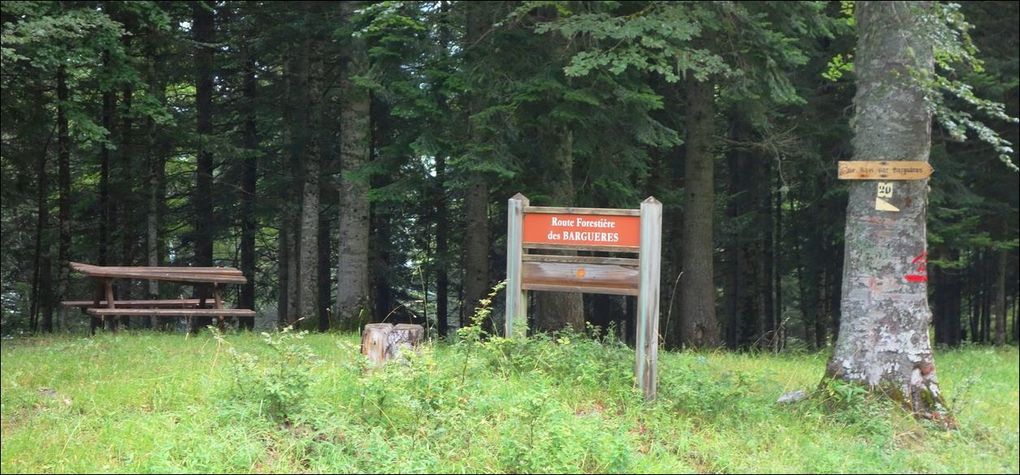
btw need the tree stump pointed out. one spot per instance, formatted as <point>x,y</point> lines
<point>375,341</point>
<point>405,335</point>
<point>384,341</point>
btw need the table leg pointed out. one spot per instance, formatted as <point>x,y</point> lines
<point>108,283</point>
<point>218,304</point>
<point>97,295</point>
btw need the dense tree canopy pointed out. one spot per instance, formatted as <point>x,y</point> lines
<point>354,158</point>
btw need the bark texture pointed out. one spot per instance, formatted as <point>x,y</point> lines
<point>476,197</point>
<point>64,182</point>
<point>202,199</point>
<point>697,287</point>
<point>353,227</point>
<point>249,179</point>
<point>557,310</point>
<point>883,334</point>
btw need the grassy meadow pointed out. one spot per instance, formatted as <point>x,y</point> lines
<point>151,402</point>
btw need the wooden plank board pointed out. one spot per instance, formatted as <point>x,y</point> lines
<point>620,261</point>
<point>587,289</point>
<point>570,210</point>
<point>132,303</point>
<point>600,231</point>
<point>84,268</point>
<point>167,276</point>
<point>580,275</point>
<point>172,312</point>
<point>581,247</point>
<point>884,170</point>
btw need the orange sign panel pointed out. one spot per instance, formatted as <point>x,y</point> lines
<point>582,230</point>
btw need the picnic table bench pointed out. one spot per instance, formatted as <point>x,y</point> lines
<point>205,278</point>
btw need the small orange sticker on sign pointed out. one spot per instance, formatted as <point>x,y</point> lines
<point>582,230</point>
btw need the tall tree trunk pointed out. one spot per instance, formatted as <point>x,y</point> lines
<point>203,24</point>
<point>125,194</point>
<point>1000,299</point>
<point>202,199</point>
<point>697,287</point>
<point>558,310</point>
<point>157,170</point>
<point>41,279</point>
<point>353,227</point>
<point>883,338</point>
<point>283,258</point>
<point>739,252</point>
<point>381,252</point>
<point>325,257</point>
<point>249,179</point>
<point>309,233</point>
<point>64,183</point>
<point>442,247</point>
<point>106,210</point>
<point>476,196</point>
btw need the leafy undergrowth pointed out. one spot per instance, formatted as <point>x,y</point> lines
<point>150,402</point>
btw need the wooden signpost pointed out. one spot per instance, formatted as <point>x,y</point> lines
<point>886,172</point>
<point>630,231</point>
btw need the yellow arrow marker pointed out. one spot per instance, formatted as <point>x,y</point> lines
<point>883,205</point>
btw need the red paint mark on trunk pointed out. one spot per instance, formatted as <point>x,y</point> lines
<point>921,274</point>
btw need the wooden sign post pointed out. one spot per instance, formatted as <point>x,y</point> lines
<point>885,173</point>
<point>631,231</point>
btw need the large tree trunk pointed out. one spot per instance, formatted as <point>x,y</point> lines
<point>249,179</point>
<point>697,287</point>
<point>558,310</point>
<point>476,196</point>
<point>64,183</point>
<point>308,272</point>
<point>883,336</point>
<point>202,198</point>
<point>353,227</point>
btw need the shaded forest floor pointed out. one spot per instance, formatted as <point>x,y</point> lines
<point>148,402</point>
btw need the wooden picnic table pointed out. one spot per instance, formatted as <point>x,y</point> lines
<point>208,278</point>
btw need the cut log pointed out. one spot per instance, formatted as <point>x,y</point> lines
<point>384,341</point>
<point>404,336</point>
<point>375,341</point>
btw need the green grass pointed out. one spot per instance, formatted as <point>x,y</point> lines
<point>147,402</point>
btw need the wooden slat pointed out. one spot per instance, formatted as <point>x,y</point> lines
<point>581,247</point>
<point>132,303</point>
<point>95,271</point>
<point>172,312</point>
<point>580,275</point>
<point>568,210</point>
<point>86,268</point>
<point>620,261</point>
<point>586,289</point>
